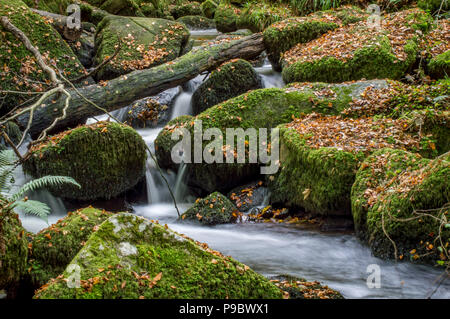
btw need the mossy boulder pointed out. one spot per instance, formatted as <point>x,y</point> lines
<point>105,158</point>
<point>13,247</point>
<point>300,288</point>
<point>118,7</point>
<point>282,36</point>
<point>208,8</point>
<point>18,63</point>
<point>231,79</point>
<point>53,248</point>
<point>261,108</point>
<point>391,185</point>
<point>146,42</point>
<point>358,52</point>
<point>129,257</point>
<point>227,17</point>
<point>185,9</point>
<point>439,66</point>
<point>320,155</point>
<point>212,210</point>
<point>197,22</point>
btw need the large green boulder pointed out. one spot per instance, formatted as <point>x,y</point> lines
<point>212,210</point>
<point>262,108</point>
<point>105,158</point>
<point>13,247</point>
<point>146,42</point>
<point>130,257</point>
<point>227,17</point>
<point>392,190</point>
<point>231,79</point>
<point>53,248</point>
<point>185,8</point>
<point>358,51</point>
<point>208,8</point>
<point>282,36</point>
<point>118,7</point>
<point>320,155</point>
<point>19,70</point>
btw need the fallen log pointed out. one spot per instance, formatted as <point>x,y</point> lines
<point>128,88</point>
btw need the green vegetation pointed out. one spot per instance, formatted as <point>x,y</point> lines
<point>212,210</point>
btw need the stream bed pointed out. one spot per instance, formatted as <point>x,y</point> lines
<point>336,259</point>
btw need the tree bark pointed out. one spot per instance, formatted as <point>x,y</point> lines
<point>126,89</point>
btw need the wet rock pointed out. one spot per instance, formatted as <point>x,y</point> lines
<point>84,49</point>
<point>248,196</point>
<point>130,257</point>
<point>228,80</point>
<point>300,288</point>
<point>212,210</point>
<point>151,111</point>
<point>105,158</point>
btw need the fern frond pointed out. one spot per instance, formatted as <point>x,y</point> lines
<point>33,207</point>
<point>42,182</point>
<point>7,158</point>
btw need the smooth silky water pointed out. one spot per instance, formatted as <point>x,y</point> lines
<point>336,259</point>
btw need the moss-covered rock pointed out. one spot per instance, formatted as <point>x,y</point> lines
<point>106,159</point>
<point>129,257</point>
<point>358,52</point>
<point>197,22</point>
<point>208,8</point>
<point>300,288</point>
<point>146,42</point>
<point>18,63</point>
<point>53,248</point>
<point>262,108</point>
<point>13,247</point>
<point>391,185</point>
<point>439,66</point>
<point>231,79</point>
<point>226,17</point>
<point>320,155</point>
<point>118,7</point>
<point>185,9</point>
<point>282,36</point>
<point>212,210</point>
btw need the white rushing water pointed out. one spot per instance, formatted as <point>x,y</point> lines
<point>336,259</point>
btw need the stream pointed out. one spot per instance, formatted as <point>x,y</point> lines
<point>338,260</point>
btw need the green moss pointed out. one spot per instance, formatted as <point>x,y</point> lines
<point>434,5</point>
<point>13,247</point>
<point>53,248</point>
<point>118,7</point>
<point>185,9</point>
<point>390,185</point>
<point>226,18</point>
<point>165,39</point>
<point>227,81</point>
<point>106,159</point>
<point>19,71</point>
<point>208,8</point>
<point>371,62</point>
<point>55,6</point>
<point>262,108</point>
<point>258,16</point>
<point>197,22</point>
<point>212,210</point>
<point>130,257</point>
<point>439,66</point>
<point>318,180</point>
<point>280,37</point>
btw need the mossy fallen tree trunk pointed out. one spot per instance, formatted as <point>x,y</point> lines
<point>126,89</point>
